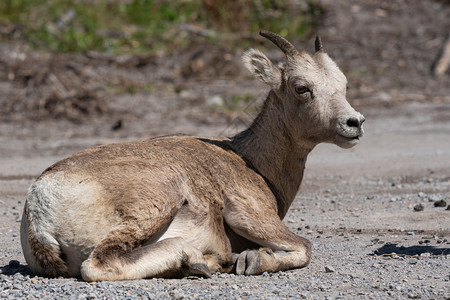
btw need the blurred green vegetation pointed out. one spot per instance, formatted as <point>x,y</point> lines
<point>240,103</point>
<point>138,26</point>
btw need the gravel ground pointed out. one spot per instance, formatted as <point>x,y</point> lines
<point>356,206</point>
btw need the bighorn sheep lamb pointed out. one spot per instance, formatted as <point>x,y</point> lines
<point>182,205</point>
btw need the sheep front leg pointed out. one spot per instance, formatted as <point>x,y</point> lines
<point>254,262</point>
<point>280,248</point>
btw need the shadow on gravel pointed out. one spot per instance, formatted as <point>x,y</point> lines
<point>388,249</point>
<point>15,267</point>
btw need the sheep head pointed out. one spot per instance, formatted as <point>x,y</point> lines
<point>310,94</point>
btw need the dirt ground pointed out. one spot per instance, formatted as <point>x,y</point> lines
<point>356,206</point>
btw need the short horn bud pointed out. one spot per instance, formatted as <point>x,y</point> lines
<point>280,42</point>
<point>318,44</point>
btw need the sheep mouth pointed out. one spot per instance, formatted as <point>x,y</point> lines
<point>346,141</point>
<point>349,138</point>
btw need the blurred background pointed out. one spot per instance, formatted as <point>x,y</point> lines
<point>139,63</point>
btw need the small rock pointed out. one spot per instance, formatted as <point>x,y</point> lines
<point>440,203</point>
<point>361,293</point>
<point>329,269</point>
<point>413,261</point>
<point>322,287</point>
<point>418,207</point>
<point>14,263</point>
<point>413,296</point>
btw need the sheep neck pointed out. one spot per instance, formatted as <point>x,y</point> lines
<point>268,146</point>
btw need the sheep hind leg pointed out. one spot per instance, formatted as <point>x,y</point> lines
<point>172,257</point>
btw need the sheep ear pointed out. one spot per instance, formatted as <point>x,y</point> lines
<point>263,69</point>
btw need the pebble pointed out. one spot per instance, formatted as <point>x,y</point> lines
<point>440,203</point>
<point>329,269</point>
<point>14,263</point>
<point>418,207</point>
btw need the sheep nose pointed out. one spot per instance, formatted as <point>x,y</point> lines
<point>355,122</point>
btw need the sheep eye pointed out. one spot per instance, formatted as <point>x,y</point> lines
<point>301,90</point>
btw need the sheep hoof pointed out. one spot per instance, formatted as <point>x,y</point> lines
<point>200,270</point>
<point>253,262</point>
<point>247,262</point>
